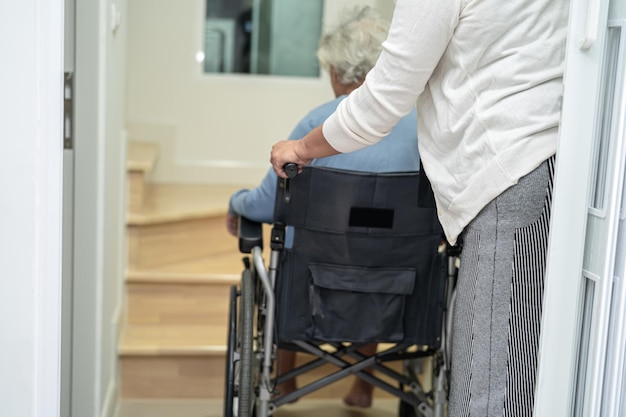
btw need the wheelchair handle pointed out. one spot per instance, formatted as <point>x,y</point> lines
<point>290,169</point>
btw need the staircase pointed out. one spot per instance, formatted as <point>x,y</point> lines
<point>181,264</point>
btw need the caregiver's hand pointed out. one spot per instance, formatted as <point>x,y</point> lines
<point>300,152</point>
<point>285,152</point>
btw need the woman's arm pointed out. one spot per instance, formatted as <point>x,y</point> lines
<point>419,34</point>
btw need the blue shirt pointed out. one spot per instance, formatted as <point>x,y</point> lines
<point>397,152</point>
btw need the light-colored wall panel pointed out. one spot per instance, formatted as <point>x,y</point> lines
<point>99,204</point>
<point>210,127</point>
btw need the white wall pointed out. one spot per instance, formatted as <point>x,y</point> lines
<point>211,128</point>
<point>99,215</point>
<point>30,206</point>
<point>114,247</point>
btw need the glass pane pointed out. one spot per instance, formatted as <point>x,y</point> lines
<point>277,37</point>
<point>606,110</point>
<point>583,347</point>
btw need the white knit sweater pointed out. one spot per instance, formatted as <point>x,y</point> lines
<point>487,78</point>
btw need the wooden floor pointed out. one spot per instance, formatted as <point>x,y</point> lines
<point>213,408</point>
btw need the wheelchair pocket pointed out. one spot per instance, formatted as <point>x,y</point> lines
<point>355,304</point>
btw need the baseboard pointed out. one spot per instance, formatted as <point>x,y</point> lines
<point>210,172</point>
<point>110,407</point>
<point>111,404</point>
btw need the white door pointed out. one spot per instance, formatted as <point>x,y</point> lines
<point>68,211</point>
<point>30,206</point>
<point>582,347</point>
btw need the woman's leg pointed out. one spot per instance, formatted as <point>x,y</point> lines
<point>499,298</point>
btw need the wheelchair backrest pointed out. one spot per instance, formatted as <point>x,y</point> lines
<point>339,201</point>
<point>364,264</point>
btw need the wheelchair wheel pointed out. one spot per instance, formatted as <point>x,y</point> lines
<point>245,342</point>
<point>230,353</point>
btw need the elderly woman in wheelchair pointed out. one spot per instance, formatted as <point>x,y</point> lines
<point>355,258</point>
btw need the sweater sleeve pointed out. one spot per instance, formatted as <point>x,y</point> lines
<point>419,34</point>
<point>256,204</point>
<point>303,127</point>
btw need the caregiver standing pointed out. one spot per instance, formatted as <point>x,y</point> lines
<point>487,78</point>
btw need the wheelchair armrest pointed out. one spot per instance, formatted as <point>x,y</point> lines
<point>250,235</point>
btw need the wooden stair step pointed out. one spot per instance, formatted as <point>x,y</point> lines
<point>141,158</point>
<point>192,240</point>
<point>202,376</point>
<point>180,223</point>
<point>179,304</point>
<point>172,362</point>
<point>173,242</point>
<point>172,376</point>
<point>163,339</point>
<point>172,202</point>
<point>214,268</point>
<point>195,292</point>
<point>186,362</point>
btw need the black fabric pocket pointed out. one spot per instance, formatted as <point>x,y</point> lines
<point>356,304</point>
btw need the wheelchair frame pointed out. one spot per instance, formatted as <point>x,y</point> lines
<point>253,338</point>
<point>252,349</point>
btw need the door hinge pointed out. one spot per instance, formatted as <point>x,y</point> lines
<point>68,110</point>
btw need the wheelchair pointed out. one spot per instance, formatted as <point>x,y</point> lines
<point>356,258</point>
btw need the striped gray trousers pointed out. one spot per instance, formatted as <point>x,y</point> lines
<point>497,314</point>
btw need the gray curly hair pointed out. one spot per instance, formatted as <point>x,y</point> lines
<point>354,46</point>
